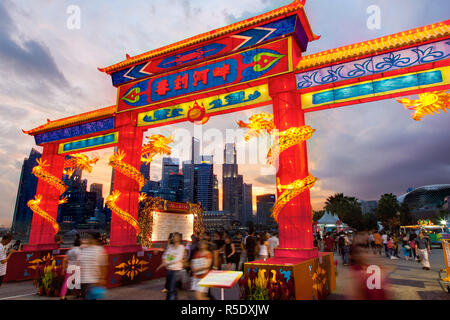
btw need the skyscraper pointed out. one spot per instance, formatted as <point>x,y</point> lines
<point>97,188</point>
<point>215,194</point>
<point>145,170</point>
<point>247,204</point>
<point>27,189</point>
<point>205,182</point>
<point>169,166</point>
<point>189,171</point>
<point>80,205</point>
<point>232,182</point>
<point>264,204</point>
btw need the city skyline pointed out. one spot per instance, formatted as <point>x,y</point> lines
<point>363,151</point>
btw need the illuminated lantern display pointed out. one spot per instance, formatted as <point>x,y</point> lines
<point>427,104</point>
<point>256,62</point>
<point>158,144</point>
<point>157,214</point>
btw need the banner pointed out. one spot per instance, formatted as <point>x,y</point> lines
<point>266,61</point>
<point>209,106</point>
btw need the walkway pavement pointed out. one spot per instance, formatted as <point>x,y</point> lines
<point>406,280</point>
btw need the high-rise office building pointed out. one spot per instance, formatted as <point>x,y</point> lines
<point>80,206</point>
<point>26,191</point>
<point>247,203</point>
<point>189,171</point>
<point>215,194</point>
<point>145,170</point>
<point>264,204</point>
<point>169,166</point>
<point>232,183</point>
<point>97,188</point>
<point>205,182</point>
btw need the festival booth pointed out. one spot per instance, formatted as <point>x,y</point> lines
<point>256,62</point>
<point>330,223</point>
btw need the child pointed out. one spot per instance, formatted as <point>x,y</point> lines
<point>391,246</point>
<point>406,250</point>
<point>200,265</point>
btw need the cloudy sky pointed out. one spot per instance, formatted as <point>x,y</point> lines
<point>50,71</point>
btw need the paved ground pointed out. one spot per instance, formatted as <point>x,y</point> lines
<point>406,280</point>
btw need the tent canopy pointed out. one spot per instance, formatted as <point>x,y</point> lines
<point>328,219</point>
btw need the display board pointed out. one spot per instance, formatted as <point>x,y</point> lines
<point>446,249</point>
<point>220,279</point>
<point>165,223</point>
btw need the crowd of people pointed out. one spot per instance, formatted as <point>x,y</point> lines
<point>187,263</point>
<point>410,246</point>
<point>222,251</point>
<point>87,259</point>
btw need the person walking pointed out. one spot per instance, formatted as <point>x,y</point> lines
<point>200,265</point>
<point>423,250</point>
<point>412,244</point>
<point>329,243</point>
<point>239,248</point>
<point>263,247</point>
<point>384,239</point>
<point>173,262</point>
<point>219,243</point>
<point>71,263</point>
<point>93,268</point>
<point>406,248</point>
<point>274,242</point>
<point>391,248</point>
<point>230,253</point>
<point>250,246</point>
<point>346,244</point>
<point>3,256</point>
<point>378,243</point>
<point>371,242</point>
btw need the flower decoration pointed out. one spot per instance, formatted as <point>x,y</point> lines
<point>319,279</point>
<point>132,268</point>
<point>266,285</point>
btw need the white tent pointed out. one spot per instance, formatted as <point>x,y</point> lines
<point>328,219</point>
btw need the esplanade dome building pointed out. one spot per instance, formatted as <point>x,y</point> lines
<point>426,201</point>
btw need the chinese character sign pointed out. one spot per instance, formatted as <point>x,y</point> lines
<point>268,60</point>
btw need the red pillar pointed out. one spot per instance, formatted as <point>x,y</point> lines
<point>42,233</point>
<point>295,220</point>
<point>123,235</point>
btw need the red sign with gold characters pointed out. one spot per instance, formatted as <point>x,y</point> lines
<point>262,62</point>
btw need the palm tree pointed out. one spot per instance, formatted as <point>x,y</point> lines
<point>335,204</point>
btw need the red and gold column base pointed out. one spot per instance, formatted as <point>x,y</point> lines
<point>40,247</point>
<point>296,253</point>
<point>313,279</point>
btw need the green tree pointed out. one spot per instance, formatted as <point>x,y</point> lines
<point>405,215</point>
<point>387,209</point>
<point>348,210</point>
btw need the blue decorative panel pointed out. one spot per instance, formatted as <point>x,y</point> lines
<point>225,45</point>
<point>75,131</point>
<point>381,63</point>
